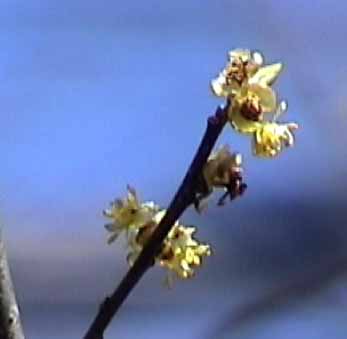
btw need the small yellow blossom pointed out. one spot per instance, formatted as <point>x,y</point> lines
<point>220,166</point>
<point>128,214</point>
<point>247,83</point>
<point>271,138</point>
<point>223,169</point>
<point>180,254</point>
<point>241,66</point>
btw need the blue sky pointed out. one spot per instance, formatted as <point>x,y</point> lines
<point>98,94</point>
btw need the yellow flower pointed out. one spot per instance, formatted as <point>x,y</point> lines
<point>181,252</point>
<point>128,214</point>
<point>271,138</point>
<point>254,99</point>
<point>242,64</point>
<point>247,83</point>
<point>223,169</point>
<point>220,166</point>
<point>249,106</point>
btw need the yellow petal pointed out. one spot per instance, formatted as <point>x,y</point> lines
<point>220,88</point>
<point>189,255</point>
<point>257,58</point>
<point>184,275</point>
<point>185,265</point>
<point>217,87</point>
<point>158,216</point>
<point>196,260</point>
<point>132,196</point>
<point>267,75</point>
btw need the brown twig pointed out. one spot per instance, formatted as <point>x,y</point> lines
<point>183,198</point>
<point>10,325</point>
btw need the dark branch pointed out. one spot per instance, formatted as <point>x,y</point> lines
<point>183,198</point>
<point>10,325</point>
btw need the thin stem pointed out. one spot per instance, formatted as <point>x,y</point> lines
<point>10,325</point>
<point>182,199</point>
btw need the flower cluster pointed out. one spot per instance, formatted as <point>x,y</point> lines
<point>247,83</point>
<point>180,253</point>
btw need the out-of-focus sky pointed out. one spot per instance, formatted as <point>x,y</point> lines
<point>98,94</point>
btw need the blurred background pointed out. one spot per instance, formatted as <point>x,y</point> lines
<point>98,94</point>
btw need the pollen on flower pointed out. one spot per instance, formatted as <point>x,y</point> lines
<point>180,253</point>
<point>247,83</point>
